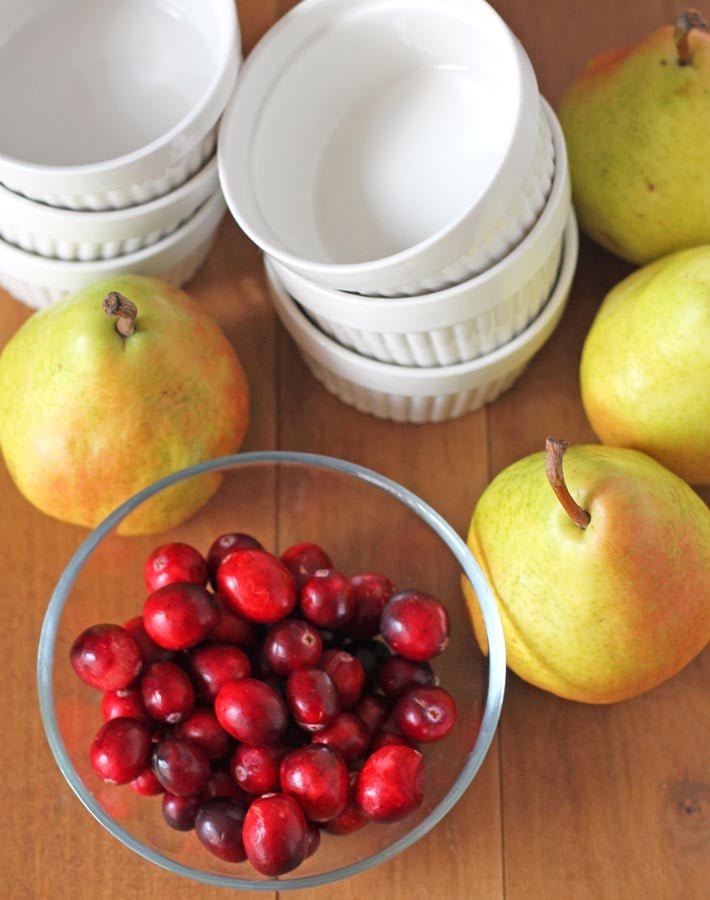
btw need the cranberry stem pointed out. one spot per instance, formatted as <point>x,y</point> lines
<point>554,451</point>
<point>125,310</point>
<point>685,24</point>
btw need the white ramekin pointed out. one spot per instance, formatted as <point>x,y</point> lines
<point>37,281</point>
<point>370,144</point>
<point>137,86</point>
<point>85,236</point>
<point>418,395</point>
<point>457,324</point>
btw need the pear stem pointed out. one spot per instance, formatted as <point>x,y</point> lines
<point>554,451</point>
<point>685,24</point>
<point>125,310</point>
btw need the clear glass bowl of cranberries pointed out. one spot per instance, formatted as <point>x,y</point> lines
<point>281,692</point>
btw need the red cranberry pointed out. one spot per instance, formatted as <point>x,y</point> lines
<point>221,784</point>
<point>256,768</point>
<point>318,778</point>
<point>347,734</point>
<point>226,544</point>
<point>397,674</point>
<point>257,585</point>
<point>202,728</point>
<point>146,784</point>
<point>371,655</point>
<point>179,812</point>
<point>347,674</point>
<point>251,711</point>
<point>373,710</point>
<point>218,825</point>
<point>172,563</point>
<point>292,644</point>
<point>425,714</point>
<point>415,625</point>
<point>232,628</point>
<point>313,839</point>
<point>213,665</point>
<point>304,560</point>
<point>167,692</point>
<point>180,766</point>
<point>390,785</point>
<point>371,593</point>
<point>389,739</point>
<point>105,657</point>
<point>120,750</point>
<point>148,649</point>
<point>312,698</point>
<point>327,599</point>
<point>128,703</point>
<point>351,819</point>
<point>180,615</point>
<point>275,834</point>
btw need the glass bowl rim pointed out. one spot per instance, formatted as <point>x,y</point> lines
<point>458,548</point>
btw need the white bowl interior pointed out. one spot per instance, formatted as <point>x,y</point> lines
<point>86,81</point>
<point>376,124</point>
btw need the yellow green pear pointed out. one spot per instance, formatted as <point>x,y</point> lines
<point>645,367</point>
<point>104,392</point>
<point>600,570</point>
<point>636,126</point>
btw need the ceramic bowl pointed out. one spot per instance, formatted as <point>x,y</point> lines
<point>457,324</point>
<point>420,395</point>
<point>280,498</point>
<point>411,126</point>
<point>108,105</point>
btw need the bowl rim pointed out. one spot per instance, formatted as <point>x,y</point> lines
<point>456,545</point>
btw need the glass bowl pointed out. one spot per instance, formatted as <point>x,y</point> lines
<point>366,523</point>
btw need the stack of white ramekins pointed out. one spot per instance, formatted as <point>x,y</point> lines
<point>107,145</point>
<point>409,188</point>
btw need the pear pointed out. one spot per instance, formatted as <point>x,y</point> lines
<point>645,367</point>
<point>603,587</point>
<point>104,392</point>
<point>636,127</point>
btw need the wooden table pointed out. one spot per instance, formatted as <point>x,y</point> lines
<point>573,801</point>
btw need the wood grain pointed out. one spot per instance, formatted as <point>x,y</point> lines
<point>578,802</point>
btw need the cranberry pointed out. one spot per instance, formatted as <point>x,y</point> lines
<point>213,665</point>
<point>313,839</point>
<point>218,825</point>
<point>105,657</point>
<point>179,615</point>
<point>304,560</point>
<point>425,713</point>
<point>371,593</point>
<point>373,710</point>
<point>347,734</point>
<point>221,784</point>
<point>232,628</point>
<point>256,768</point>
<point>397,674</point>
<point>318,778</point>
<point>371,655</point>
<point>226,544</point>
<point>257,585</point>
<point>389,739</point>
<point>312,698</point>
<point>415,625</point>
<point>202,728</point>
<point>149,650</point>
<point>327,599</point>
<point>351,819</point>
<point>347,674</point>
<point>275,834</point>
<point>128,703</point>
<point>172,563</point>
<point>390,785</point>
<point>180,766</point>
<point>292,644</point>
<point>251,711</point>
<point>146,784</point>
<point>179,812</point>
<point>120,750</point>
<point>167,692</point>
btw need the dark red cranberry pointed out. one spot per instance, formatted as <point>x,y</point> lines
<point>347,734</point>
<point>167,692</point>
<point>150,651</point>
<point>371,655</point>
<point>218,825</point>
<point>415,625</point>
<point>226,544</point>
<point>275,834</point>
<point>390,785</point>
<point>292,644</point>
<point>127,702</point>
<point>389,739</point>
<point>146,784</point>
<point>179,812</point>
<point>327,599</point>
<point>221,784</point>
<point>180,766</point>
<point>304,560</point>
<point>425,714</point>
<point>313,839</point>
<point>120,750</point>
<point>213,665</point>
<point>347,674</point>
<point>202,728</point>
<point>256,768</point>
<point>105,657</point>
<point>371,593</point>
<point>257,585</point>
<point>251,711</point>
<point>172,563</point>
<point>373,710</point>
<point>180,615</point>
<point>312,698</point>
<point>351,819</point>
<point>318,778</point>
<point>232,628</point>
<point>397,674</point>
